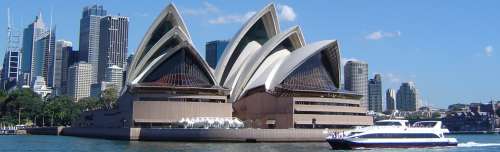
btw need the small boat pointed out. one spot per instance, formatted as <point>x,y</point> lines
<point>393,134</point>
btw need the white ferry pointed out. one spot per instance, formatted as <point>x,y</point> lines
<point>393,134</point>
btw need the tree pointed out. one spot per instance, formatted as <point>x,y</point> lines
<point>22,104</point>
<point>89,103</point>
<point>109,97</point>
<point>436,115</point>
<point>61,110</point>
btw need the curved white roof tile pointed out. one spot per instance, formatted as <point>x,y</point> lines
<point>176,32</point>
<point>270,19</point>
<point>169,14</point>
<point>296,58</point>
<point>244,59</point>
<point>163,58</point>
<point>264,71</point>
<point>246,71</point>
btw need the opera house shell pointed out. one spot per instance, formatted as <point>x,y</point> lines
<point>266,77</point>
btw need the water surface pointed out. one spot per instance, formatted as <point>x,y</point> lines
<point>41,143</point>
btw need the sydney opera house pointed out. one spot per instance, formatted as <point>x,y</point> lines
<point>266,77</point>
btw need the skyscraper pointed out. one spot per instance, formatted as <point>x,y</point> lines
<point>129,61</point>
<point>375,94</point>
<point>114,76</point>
<point>213,51</point>
<point>113,44</point>
<point>390,98</point>
<point>407,97</point>
<point>89,36</point>
<point>60,64</point>
<point>10,69</point>
<point>42,56</point>
<point>356,79</point>
<point>30,35</point>
<point>79,80</point>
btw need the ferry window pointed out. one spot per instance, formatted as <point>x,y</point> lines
<point>408,135</point>
<point>387,124</point>
<point>424,124</point>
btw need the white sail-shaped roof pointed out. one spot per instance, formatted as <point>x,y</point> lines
<point>184,46</point>
<point>299,56</point>
<point>171,39</point>
<point>167,20</point>
<point>259,28</point>
<point>269,65</point>
<point>289,40</point>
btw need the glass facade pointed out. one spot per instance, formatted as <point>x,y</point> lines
<point>213,51</point>
<point>90,35</point>
<point>181,69</point>
<point>27,49</point>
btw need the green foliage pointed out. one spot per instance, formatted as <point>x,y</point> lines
<point>26,107</point>
<point>21,103</point>
<point>456,107</point>
<point>61,110</point>
<point>109,97</point>
<point>90,103</point>
<point>436,115</point>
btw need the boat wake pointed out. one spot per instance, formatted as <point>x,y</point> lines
<point>474,144</point>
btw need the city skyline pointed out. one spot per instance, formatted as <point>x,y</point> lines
<point>436,67</point>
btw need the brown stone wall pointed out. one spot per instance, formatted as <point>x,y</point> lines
<point>255,110</point>
<point>172,111</point>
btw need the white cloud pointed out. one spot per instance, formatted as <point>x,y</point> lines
<point>206,9</point>
<point>226,19</point>
<point>286,12</point>
<point>381,34</point>
<point>488,50</point>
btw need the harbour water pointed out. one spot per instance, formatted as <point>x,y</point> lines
<point>39,143</point>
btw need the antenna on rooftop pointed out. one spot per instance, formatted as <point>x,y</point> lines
<point>8,18</point>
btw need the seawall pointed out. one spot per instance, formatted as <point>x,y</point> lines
<point>194,135</point>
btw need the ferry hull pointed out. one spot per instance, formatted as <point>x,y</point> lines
<point>345,144</point>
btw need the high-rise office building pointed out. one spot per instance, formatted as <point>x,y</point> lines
<point>89,36</point>
<point>407,97</point>
<point>114,76</point>
<point>42,57</point>
<point>129,61</point>
<point>356,79</point>
<point>375,94</point>
<point>60,64</point>
<point>390,99</point>
<point>113,44</point>
<point>30,35</point>
<point>79,80</point>
<point>127,67</point>
<point>213,51</point>
<point>11,67</point>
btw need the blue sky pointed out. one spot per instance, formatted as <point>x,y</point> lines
<point>448,48</point>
